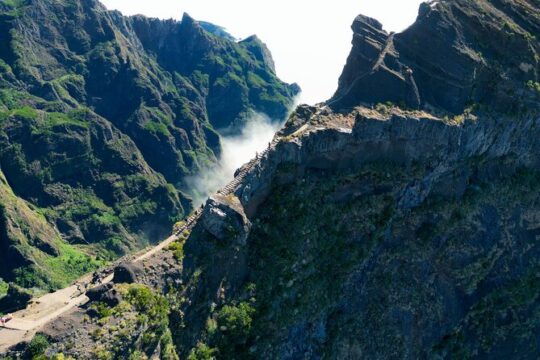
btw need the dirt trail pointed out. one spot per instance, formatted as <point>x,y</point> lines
<point>27,322</point>
<point>42,310</point>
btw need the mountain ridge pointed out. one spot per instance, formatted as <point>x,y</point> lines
<point>388,222</point>
<point>480,54</point>
<point>101,123</point>
<point>373,226</point>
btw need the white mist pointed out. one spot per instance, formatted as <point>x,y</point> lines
<point>237,150</point>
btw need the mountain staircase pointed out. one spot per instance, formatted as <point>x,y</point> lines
<point>240,176</point>
<point>194,217</point>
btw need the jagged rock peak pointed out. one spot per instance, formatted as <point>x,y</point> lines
<point>261,51</point>
<point>363,21</point>
<point>188,20</point>
<point>457,53</point>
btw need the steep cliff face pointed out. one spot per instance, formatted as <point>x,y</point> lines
<point>103,116</point>
<point>376,234</point>
<point>458,54</point>
<point>391,234</point>
<point>382,231</point>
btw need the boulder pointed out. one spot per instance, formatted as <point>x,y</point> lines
<point>224,218</point>
<point>111,297</point>
<point>105,293</point>
<point>127,273</point>
<point>95,294</point>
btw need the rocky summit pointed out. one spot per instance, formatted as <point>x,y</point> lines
<point>457,54</point>
<point>102,118</point>
<point>398,220</point>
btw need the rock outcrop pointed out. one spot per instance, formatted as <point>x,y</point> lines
<point>127,273</point>
<point>224,218</point>
<point>106,294</point>
<point>337,205</point>
<point>456,55</point>
<point>383,226</point>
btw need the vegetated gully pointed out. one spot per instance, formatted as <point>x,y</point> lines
<point>27,322</point>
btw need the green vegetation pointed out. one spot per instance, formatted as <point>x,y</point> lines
<point>4,287</point>
<point>157,128</point>
<point>71,264</point>
<point>26,113</point>
<point>134,328</point>
<point>37,346</point>
<point>145,301</point>
<point>102,354</point>
<point>53,272</point>
<point>533,85</point>
<point>67,85</point>
<point>3,116</point>
<point>17,7</point>
<point>55,119</point>
<point>255,80</point>
<point>141,308</point>
<point>15,3</point>
<point>202,352</point>
<point>234,324</point>
<point>529,37</point>
<point>177,248</point>
<point>295,259</point>
<point>153,310</point>
<point>102,310</point>
<point>13,99</point>
<point>230,80</point>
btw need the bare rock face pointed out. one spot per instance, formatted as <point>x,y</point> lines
<point>457,53</point>
<point>224,218</point>
<point>127,273</point>
<point>376,73</point>
<point>361,200</point>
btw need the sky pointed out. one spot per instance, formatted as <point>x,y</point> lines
<point>309,39</point>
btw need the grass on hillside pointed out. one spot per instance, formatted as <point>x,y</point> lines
<point>3,288</point>
<point>70,265</point>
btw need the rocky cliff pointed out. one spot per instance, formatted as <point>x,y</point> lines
<point>457,55</point>
<point>102,117</point>
<point>394,222</point>
<point>398,220</point>
<point>384,234</point>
